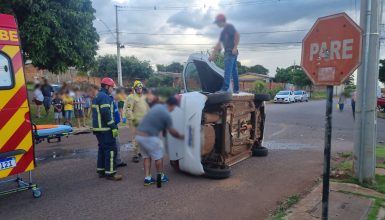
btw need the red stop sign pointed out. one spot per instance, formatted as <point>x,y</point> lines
<point>331,51</point>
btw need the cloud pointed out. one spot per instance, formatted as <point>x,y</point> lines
<point>193,18</point>
<point>196,16</point>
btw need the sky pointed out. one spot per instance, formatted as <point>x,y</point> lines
<point>164,31</point>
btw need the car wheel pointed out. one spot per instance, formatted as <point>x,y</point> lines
<point>218,98</point>
<point>260,152</point>
<point>262,97</point>
<point>220,172</point>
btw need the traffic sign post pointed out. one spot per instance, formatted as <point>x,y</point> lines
<point>331,52</point>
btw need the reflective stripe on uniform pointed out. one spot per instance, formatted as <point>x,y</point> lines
<point>110,122</point>
<point>101,129</point>
<point>100,169</point>
<point>105,106</point>
<point>111,171</point>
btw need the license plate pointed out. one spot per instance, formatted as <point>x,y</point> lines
<point>7,163</point>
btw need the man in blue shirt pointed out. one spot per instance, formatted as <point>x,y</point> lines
<point>229,39</point>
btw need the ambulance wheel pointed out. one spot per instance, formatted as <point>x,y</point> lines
<point>220,172</point>
<point>262,97</point>
<point>218,98</point>
<point>36,193</point>
<point>260,152</point>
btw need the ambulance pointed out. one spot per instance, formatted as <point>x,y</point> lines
<point>17,152</point>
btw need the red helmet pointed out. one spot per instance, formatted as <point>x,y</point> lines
<point>108,81</point>
<point>220,18</point>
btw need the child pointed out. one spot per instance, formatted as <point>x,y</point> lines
<point>79,108</point>
<point>68,108</point>
<point>38,98</point>
<point>87,105</point>
<point>58,105</point>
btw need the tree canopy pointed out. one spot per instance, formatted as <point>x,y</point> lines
<point>292,74</point>
<point>132,67</point>
<point>242,69</point>
<point>174,67</point>
<point>55,34</point>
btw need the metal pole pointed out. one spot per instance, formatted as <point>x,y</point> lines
<point>365,132</point>
<point>327,152</point>
<point>119,63</point>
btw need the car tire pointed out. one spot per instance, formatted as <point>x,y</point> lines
<point>218,98</point>
<point>260,152</point>
<point>217,172</point>
<point>262,97</point>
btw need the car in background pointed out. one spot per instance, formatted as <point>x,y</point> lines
<point>56,87</point>
<point>301,96</point>
<point>285,96</point>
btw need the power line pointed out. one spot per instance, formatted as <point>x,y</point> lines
<point>201,34</point>
<point>172,8</point>
<point>209,44</point>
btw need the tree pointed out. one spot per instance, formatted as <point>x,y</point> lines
<point>242,69</point>
<point>161,68</point>
<point>174,67</point>
<point>56,34</point>
<point>132,67</point>
<point>292,74</point>
<point>381,75</point>
<point>258,69</point>
<point>283,76</point>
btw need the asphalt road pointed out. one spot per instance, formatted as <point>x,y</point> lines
<point>71,189</point>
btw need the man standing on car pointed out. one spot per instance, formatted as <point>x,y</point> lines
<point>154,122</point>
<point>106,131</point>
<point>47,91</point>
<point>230,40</point>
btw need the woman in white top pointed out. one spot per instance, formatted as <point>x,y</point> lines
<point>38,98</point>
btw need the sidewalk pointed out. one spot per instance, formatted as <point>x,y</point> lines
<point>346,201</point>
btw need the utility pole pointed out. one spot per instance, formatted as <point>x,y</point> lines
<point>119,63</point>
<point>365,132</point>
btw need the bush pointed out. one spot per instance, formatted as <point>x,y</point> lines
<point>259,87</point>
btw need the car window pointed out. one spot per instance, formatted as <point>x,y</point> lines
<point>192,80</point>
<point>283,93</point>
<point>6,72</point>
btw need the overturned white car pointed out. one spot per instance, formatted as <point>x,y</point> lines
<point>221,129</point>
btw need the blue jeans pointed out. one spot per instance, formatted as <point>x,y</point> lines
<point>231,70</point>
<point>68,115</point>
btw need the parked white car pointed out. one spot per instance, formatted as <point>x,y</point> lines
<point>301,96</point>
<point>285,96</point>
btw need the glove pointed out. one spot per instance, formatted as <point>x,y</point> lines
<point>115,133</point>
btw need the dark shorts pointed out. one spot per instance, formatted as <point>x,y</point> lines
<point>120,104</point>
<point>47,102</point>
<point>37,102</point>
<point>79,113</point>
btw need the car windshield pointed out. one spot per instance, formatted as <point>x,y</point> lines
<point>298,93</point>
<point>283,93</point>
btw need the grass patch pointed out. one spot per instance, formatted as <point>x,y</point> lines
<point>280,212</point>
<point>48,119</point>
<point>374,210</point>
<point>346,165</point>
<point>380,154</point>
<point>318,95</point>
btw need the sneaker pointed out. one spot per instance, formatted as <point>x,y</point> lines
<point>148,182</point>
<point>164,178</point>
<point>115,177</point>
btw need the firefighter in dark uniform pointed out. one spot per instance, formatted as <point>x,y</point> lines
<point>106,131</point>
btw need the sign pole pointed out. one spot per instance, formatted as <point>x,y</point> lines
<point>327,152</point>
